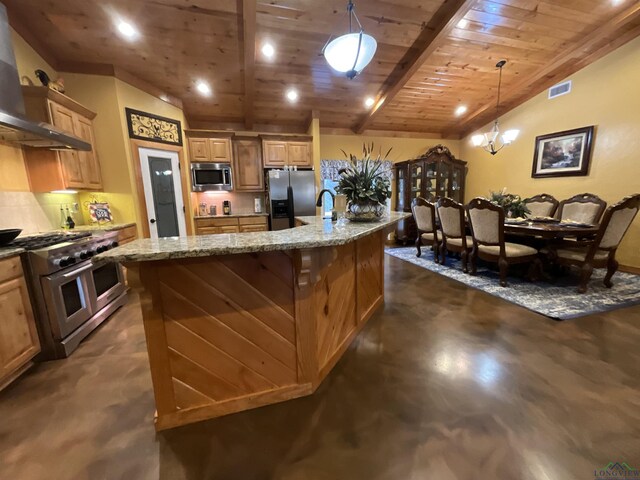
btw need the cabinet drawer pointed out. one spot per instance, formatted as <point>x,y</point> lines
<point>257,220</point>
<point>127,234</point>
<point>253,228</point>
<point>207,230</point>
<point>10,268</point>
<point>229,229</point>
<point>216,222</point>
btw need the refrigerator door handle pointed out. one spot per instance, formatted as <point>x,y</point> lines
<point>290,206</point>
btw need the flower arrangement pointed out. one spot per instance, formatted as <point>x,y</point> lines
<point>514,206</point>
<point>365,184</point>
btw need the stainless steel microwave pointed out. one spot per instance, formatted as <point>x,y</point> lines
<point>207,177</point>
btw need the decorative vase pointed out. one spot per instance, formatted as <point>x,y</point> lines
<point>365,211</point>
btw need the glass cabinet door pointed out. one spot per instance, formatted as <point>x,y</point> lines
<point>444,179</point>
<point>456,184</point>
<point>415,177</point>
<point>430,181</point>
<point>401,187</point>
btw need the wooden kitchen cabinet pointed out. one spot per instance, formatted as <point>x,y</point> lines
<point>275,153</point>
<point>247,165</point>
<point>50,170</point>
<point>216,225</point>
<point>209,146</point>
<point>287,151</point>
<point>19,341</point>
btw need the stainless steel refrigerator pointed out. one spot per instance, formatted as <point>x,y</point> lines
<point>290,194</point>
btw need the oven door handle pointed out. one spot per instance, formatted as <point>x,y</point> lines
<point>76,272</point>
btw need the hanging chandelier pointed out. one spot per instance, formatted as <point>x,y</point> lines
<point>491,141</point>
<point>351,52</point>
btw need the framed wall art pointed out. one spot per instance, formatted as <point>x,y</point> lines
<point>563,154</point>
<point>146,126</point>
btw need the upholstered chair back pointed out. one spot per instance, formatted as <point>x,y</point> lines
<point>451,215</point>
<point>487,221</point>
<point>424,214</point>
<point>542,205</point>
<point>617,220</point>
<point>584,208</point>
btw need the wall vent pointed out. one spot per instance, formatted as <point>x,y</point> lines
<point>560,89</point>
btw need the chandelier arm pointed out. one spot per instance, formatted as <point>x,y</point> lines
<point>353,12</point>
<point>332,36</point>
<point>355,61</point>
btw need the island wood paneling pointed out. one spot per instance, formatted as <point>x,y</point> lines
<point>232,332</point>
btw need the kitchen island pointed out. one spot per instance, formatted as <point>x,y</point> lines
<point>238,321</point>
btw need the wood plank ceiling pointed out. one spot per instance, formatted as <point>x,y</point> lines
<point>433,55</point>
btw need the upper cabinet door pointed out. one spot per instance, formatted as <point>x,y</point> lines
<point>220,149</point>
<point>89,163</point>
<point>299,154</point>
<point>275,153</point>
<point>247,166</point>
<point>199,150</point>
<point>65,119</point>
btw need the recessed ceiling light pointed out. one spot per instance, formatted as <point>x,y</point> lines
<point>127,30</point>
<point>268,50</point>
<point>203,88</point>
<point>164,98</point>
<point>369,101</point>
<point>463,23</point>
<point>292,95</point>
<point>461,110</point>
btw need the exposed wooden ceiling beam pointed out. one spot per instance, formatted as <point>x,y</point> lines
<point>249,54</point>
<point>434,35</point>
<point>562,66</point>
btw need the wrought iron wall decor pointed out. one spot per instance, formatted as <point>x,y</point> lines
<point>146,126</point>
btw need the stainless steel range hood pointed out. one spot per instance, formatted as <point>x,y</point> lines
<point>15,127</point>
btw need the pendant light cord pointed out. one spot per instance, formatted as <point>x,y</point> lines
<point>499,87</point>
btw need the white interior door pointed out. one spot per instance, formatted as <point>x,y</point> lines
<point>163,193</point>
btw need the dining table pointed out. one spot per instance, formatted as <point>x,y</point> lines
<point>550,231</point>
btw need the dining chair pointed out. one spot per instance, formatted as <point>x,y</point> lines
<point>583,208</point>
<point>542,205</point>
<point>601,252</point>
<point>452,224</point>
<point>424,214</point>
<point>487,230</point>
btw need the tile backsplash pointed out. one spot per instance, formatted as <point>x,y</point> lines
<point>34,212</point>
<point>241,202</point>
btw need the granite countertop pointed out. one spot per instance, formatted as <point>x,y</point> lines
<point>6,252</point>
<point>233,215</point>
<point>315,233</point>
<point>105,227</point>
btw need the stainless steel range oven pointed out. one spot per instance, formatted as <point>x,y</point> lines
<point>71,295</point>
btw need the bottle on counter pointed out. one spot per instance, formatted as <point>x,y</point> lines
<point>257,205</point>
<point>69,220</point>
<point>226,207</point>
<point>63,218</point>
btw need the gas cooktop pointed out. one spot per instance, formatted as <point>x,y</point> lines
<point>34,242</point>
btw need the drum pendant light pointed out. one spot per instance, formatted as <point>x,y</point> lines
<point>350,53</point>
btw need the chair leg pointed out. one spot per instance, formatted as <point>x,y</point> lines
<point>473,258</point>
<point>504,268</point>
<point>535,270</point>
<point>464,255</point>
<point>418,243</point>
<point>612,267</point>
<point>436,251</point>
<point>585,275</point>
<point>443,254</point>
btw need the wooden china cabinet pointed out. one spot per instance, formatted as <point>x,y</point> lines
<point>435,174</point>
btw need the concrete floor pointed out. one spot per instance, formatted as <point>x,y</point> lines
<point>445,383</point>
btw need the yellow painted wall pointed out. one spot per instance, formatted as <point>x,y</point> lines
<point>28,61</point>
<point>605,94</point>
<point>403,148</point>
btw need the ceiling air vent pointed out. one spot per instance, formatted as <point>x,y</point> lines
<point>560,89</point>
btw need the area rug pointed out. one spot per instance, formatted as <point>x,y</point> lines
<point>558,300</point>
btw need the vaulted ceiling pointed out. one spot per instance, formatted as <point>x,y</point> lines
<point>432,57</point>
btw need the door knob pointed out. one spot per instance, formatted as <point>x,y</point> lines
<point>153,220</point>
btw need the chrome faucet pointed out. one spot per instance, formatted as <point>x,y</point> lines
<point>322,192</point>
